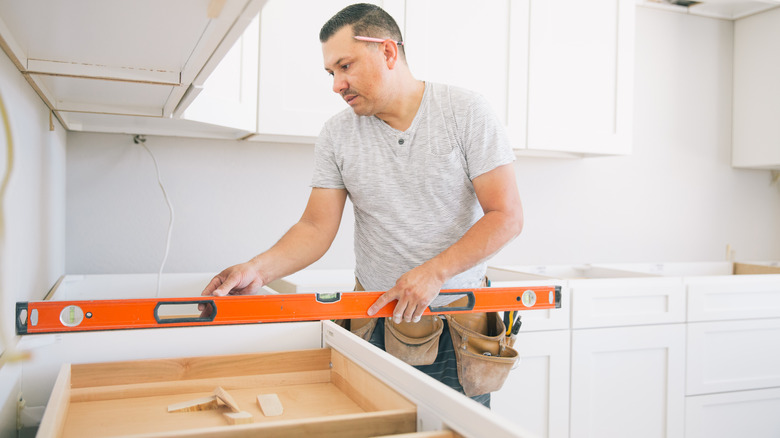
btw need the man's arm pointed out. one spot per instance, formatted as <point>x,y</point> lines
<point>503,220</point>
<point>302,245</point>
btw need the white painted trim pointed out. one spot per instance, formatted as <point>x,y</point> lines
<point>80,107</point>
<point>104,72</point>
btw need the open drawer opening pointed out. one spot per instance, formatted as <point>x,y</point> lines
<point>321,393</point>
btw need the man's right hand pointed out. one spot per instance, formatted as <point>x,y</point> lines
<point>242,279</point>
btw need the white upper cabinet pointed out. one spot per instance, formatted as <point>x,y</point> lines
<point>296,93</point>
<point>558,74</point>
<point>113,66</point>
<point>229,95</point>
<point>756,132</point>
<point>461,43</point>
<point>580,76</point>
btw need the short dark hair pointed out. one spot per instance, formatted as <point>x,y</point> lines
<point>366,20</point>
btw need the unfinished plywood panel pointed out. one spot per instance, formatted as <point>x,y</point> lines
<point>341,401</point>
<point>755,269</point>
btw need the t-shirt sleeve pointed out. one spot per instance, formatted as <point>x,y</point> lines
<point>327,174</point>
<point>485,141</point>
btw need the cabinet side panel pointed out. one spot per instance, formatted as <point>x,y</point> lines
<point>363,388</point>
<point>756,137</point>
<point>56,413</point>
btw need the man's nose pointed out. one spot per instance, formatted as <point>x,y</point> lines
<point>339,83</point>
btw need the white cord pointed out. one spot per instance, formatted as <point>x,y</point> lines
<point>142,141</point>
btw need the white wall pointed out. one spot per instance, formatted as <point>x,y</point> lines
<point>32,256</point>
<point>676,198</point>
<point>231,200</point>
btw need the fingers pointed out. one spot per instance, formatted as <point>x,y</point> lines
<point>205,310</point>
<point>405,309</point>
<point>381,302</point>
<point>218,287</point>
<point>400,312</point>
<point>213,284</point>
<point>418,312</point>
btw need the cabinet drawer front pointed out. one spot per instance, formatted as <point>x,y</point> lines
<point>733,356</point>
<point>744,413</point>
<point>734,297</point>
<point>618,302</point>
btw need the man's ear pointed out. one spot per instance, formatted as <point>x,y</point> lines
<point>390,51</point>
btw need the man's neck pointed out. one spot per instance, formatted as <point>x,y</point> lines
<point>405,107</point>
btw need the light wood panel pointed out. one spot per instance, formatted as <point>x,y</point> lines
<point>367,391</point>
<point>164,370</point>
<point>54,419</point>
<point>196,385</point>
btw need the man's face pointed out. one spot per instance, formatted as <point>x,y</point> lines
<point>358,71</point>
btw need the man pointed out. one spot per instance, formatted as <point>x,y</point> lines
<point>428,169</point>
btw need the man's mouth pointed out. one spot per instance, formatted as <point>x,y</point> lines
<point>349,98</point>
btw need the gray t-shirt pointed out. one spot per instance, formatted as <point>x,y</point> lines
<point>411,191</point>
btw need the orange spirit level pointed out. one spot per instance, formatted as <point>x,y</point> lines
<point>88,315</point>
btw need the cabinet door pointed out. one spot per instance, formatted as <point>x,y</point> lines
<point>462,43</point>
<point>535,396</point>
<point>732,414</point>
<point>733,355</point>
<point>580,95</point>
<point>757,91</point>
<point>296,95</point>
<point>229,96</point>
<point>628,381</point>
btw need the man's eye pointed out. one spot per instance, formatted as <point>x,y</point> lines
<point>345,66</point>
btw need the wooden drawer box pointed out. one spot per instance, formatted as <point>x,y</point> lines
<point>322,394</point>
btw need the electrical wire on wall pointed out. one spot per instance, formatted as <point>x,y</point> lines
<point>140,139</point>
<point>9,354</point>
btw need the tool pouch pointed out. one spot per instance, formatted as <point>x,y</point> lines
<point>416,343</point>
<point>484,359</point>
<point>362,327</point>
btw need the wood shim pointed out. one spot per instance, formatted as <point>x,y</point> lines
<point>270,405</point>
<point>198,404</point>
<point>227,399</point>
<point>239,417</point>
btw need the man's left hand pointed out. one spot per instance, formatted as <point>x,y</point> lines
<point>415,290</point>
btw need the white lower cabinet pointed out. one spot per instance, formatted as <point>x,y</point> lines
<point>734,414</point>
<point>733,356</point>
<point>628,381</point>
<point>535,396</point>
